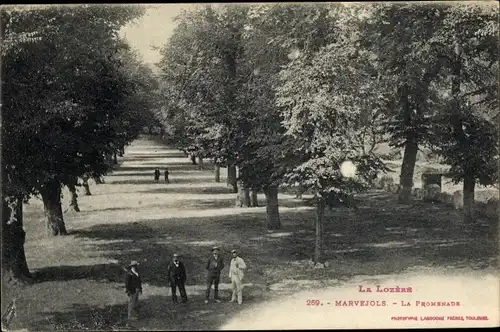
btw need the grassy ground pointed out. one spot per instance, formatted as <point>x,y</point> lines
<point>80,277</point>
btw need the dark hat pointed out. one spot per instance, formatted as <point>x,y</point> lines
<point>134,263</point>
<point>215,248</point>
<point>234,250</point>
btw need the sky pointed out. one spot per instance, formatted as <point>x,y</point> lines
<point>153,29</point>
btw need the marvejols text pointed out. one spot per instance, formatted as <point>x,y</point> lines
<point>360,303</point>
<point>345,303</point>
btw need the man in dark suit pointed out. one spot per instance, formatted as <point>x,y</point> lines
<point>214,266</point>
<point>177,278</point>
<point>133,287</point>
<point>166,175</point>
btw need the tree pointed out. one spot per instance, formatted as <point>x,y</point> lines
<point>63,116</point>
<point>200,66</point>
<point>326,106</point>
<point>406,63</point>
<point>466,128</point>
<point>273,33</point>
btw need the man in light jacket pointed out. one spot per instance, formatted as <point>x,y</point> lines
<point>236,273</point>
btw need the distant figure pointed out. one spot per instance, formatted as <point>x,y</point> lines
<point>157,174</point>
<point>166,176</point>
<point>177,277</point>
<point>215,264</point>
<point>236,273</point>
<point>133,287</point>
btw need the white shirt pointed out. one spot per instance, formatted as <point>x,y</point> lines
<point>237,267</point>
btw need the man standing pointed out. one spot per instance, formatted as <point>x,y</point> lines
<point>133,287</point>
<point>166,175</point>
<point>177,278</point>
<point>236,273</point>
<point>157,174</point>
<point>215,264</point>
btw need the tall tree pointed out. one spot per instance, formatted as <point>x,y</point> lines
<point>467,125</point>
<point>63,117</point>
<point>200,65</point>
<point>326,105</point>
<point>273,34</point>
<point>407,62</point>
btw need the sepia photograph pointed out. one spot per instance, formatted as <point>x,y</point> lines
<point>250,166</point>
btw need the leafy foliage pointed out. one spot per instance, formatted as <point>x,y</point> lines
<point>466,128</point>
<point>67,93</point>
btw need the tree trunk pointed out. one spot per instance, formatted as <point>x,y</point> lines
<point>115,159</point>
<point>458,131</point>
<point>200,163</point>
<point>272,208</point>
<point>253,198</point>
<point>408,169</point>
<point>243,196</point>
<point>231,178</point>
<point>51,196</point>
<point>13,238</point>
<point>193,159</point>
<point>469,186</point>
<point>86,187</point>
<point>318,248</point>
<point>217,173</point>
<point>74,197</point>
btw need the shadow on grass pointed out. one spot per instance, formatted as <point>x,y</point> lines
<point>373,240</point>
<point>193,180</point>
<point>147,172</point>
<point>155,313</point>
<point>107,272</point>
<point>150,172</point>
<point>217,188</point>
<point>206,204</point>
<point>189,190</point>
<point>170,166</point>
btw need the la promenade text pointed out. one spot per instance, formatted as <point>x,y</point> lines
<point>383,303</point>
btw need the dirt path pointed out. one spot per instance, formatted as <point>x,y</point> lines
<point>133,217</point>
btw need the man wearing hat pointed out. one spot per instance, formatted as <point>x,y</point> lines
<point>215,264</point>
<point>236,274</point>
<point>177,277</point>
<point>133,287</point>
